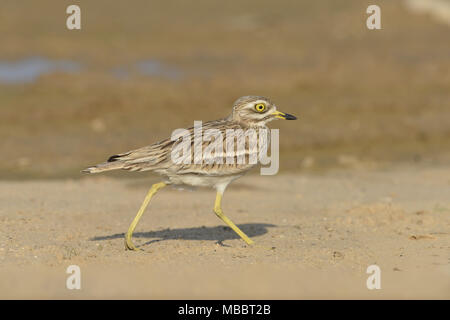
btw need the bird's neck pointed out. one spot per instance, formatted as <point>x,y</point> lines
<point>247,124</point>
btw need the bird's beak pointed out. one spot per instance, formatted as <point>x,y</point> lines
<point>284,116</point>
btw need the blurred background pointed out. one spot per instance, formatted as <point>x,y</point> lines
<point>137,70</point>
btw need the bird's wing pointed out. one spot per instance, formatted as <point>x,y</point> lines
<point>216,157</point>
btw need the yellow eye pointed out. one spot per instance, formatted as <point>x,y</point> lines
<point>260,107</point>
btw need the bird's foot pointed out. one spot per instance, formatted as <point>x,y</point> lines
<point>129,245</point>
<point>249,242</point>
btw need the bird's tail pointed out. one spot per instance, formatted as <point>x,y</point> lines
<point>105,166</point>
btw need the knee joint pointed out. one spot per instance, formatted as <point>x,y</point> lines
<point>218,212</point>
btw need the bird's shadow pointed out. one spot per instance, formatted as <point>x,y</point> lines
<point>217,233</point>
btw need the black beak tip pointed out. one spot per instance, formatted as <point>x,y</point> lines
<point>290,117</point>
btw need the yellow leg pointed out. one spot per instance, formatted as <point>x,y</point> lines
<point>218,211</point>
<point>128,243</point>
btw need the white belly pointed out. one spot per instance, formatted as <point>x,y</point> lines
<point>220,183</point>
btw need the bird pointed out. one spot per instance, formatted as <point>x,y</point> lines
<point>249,113</point>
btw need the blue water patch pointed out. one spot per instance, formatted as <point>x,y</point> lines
<point>29,69</point>
<point>156,68</point>
<point>121,73</point>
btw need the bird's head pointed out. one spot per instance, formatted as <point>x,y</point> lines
<point>257,111</point>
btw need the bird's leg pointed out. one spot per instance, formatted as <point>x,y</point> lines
<point>218,211</point>
<point>128,243</point>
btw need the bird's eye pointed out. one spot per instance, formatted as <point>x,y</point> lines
<point>260,107</point>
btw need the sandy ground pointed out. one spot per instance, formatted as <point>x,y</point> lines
<point>315,237</point>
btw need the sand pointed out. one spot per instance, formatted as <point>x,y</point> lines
<point>315,236</point>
